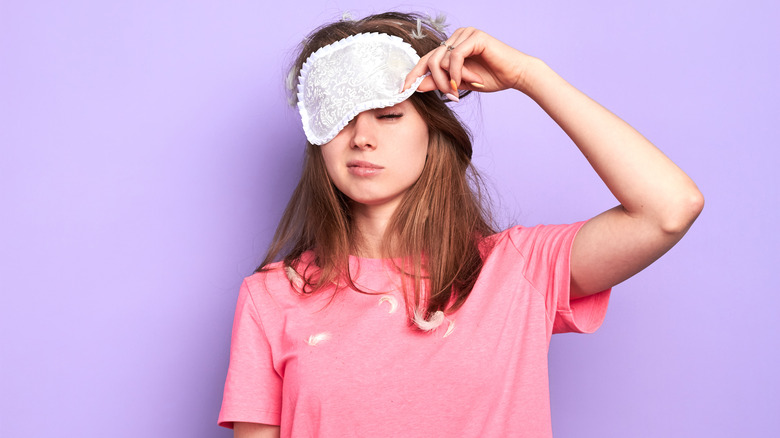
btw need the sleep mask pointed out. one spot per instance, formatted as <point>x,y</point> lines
<point>358,73</point>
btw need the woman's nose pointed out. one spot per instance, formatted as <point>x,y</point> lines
<point>363,132</point>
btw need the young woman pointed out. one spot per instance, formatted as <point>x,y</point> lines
<point>387,305</point>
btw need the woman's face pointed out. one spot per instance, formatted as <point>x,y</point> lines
<point>379,155</point>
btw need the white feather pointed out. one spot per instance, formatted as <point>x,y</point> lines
<point>449,329</point>
<point>390,299</point>
<point>418,33</point>
<point>438,23</point>
<point>431,323</point>
<point>294,277</point>
<point>289,83</point>
<point>316,339</point>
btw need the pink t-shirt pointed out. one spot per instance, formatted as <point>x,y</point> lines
<point>350,365</point>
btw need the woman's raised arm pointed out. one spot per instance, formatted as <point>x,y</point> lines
<point>658,201</point>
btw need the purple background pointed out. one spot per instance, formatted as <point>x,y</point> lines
<point>147,153</point>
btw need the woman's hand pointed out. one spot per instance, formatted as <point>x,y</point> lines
<point>471,59</point>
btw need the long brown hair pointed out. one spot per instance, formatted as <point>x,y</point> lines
<point>440,222</point>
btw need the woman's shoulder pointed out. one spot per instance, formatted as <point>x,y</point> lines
<point>525,238</point>
<point>279,278</point>
<point>271,271</point>
<point>268,279</point>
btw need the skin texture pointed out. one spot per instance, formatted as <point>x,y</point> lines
<point>255,430</point>
<point>395,138</point>
<point>658,201</point>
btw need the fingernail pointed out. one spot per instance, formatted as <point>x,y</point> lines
<point>477,85</point>
<point>452,97</point>
<point>454,86</point>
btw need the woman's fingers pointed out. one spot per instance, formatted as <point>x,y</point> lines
<point>440,76</point>
<point>431,62</point>
<point>457,64</point>
<point>426,85</point>
<point>469,77</point>
<point>420,69</point>
<point>461,47</point>
<point>438,65</point>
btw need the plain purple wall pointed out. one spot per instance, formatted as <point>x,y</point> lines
<point>147,153</point>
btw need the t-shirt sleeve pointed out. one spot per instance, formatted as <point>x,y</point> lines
<point>547,253</point>
<point>253,388</point>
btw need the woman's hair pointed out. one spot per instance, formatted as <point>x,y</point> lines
<point>436,230</point>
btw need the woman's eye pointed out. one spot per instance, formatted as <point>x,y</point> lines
<point>390,116</point>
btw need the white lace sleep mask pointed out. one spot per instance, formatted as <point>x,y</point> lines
<point>361,72</point>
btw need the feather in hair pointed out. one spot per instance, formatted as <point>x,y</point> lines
<point>431,323</point>
<point>438,23</point>
<point>418,33</point>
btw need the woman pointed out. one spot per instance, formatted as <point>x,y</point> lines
<point>388,212</point>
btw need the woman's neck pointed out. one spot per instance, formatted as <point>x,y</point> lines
<point>370,222</point>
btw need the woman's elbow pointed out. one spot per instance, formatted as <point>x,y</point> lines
<point>683,212</point>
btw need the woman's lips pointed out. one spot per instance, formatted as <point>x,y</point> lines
<point>363,168</point>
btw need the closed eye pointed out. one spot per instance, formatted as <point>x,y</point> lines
<point>390,116</point>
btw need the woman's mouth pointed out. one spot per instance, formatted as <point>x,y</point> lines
<point>363,168</point>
